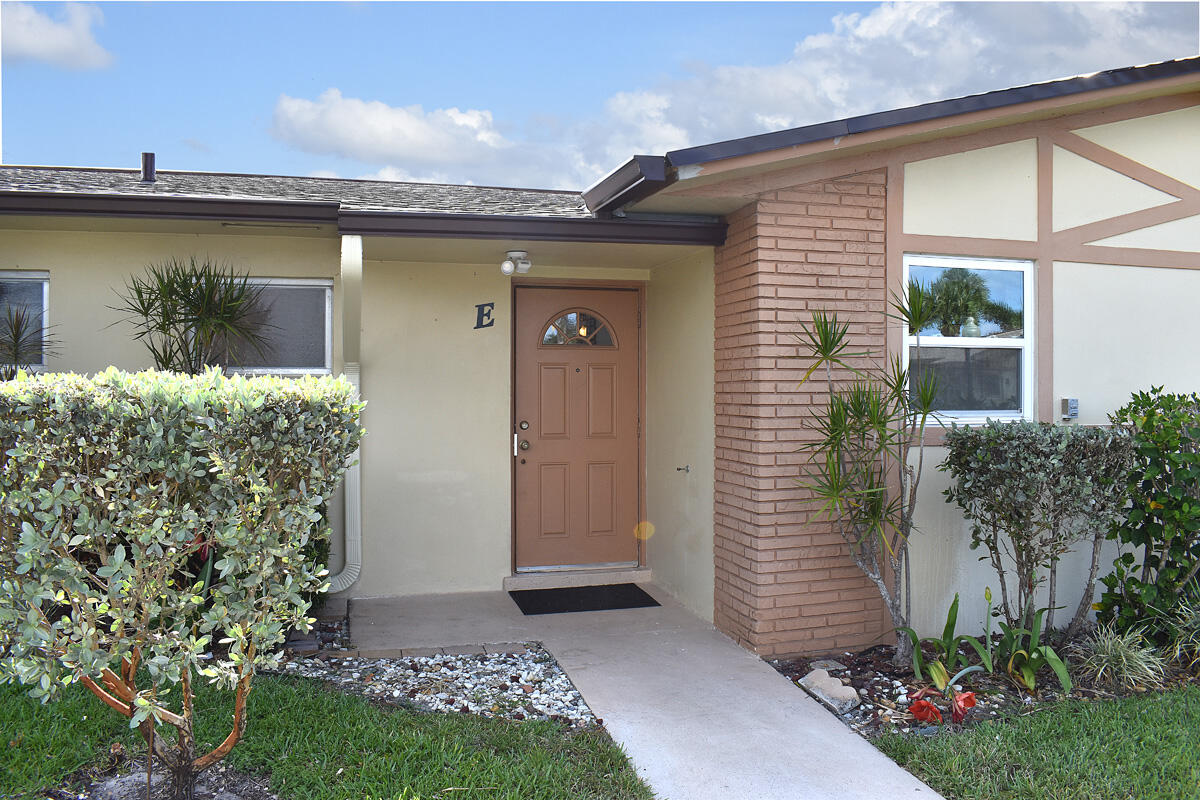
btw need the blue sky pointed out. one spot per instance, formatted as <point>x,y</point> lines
<point>539,94</point>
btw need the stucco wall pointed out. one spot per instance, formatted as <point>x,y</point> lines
<point>436,463</point>
<point>990,192</point>
<point>1122,329</point>
<point>680,429</point>
<point>86,266</point>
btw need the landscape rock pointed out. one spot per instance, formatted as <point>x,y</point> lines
<point>830,691</point>
<point>827,664</point>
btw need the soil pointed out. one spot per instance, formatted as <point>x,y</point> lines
<point>884,687</point>
<point>124,778</point>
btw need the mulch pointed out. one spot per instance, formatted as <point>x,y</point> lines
<point>881,685</point>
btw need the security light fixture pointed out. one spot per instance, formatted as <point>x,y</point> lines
<point>515,261</point>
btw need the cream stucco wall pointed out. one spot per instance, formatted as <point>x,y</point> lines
<point>680,429</point>
<point>1165,142</point>
<point>1123,329</point>
<point>990,192</point>
<point>1085,191</point>
<point>437,461</point>
<point>87,266</point>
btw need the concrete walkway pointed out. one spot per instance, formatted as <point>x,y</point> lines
<point>698,716</point>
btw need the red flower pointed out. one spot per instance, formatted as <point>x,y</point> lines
<point>960,704</point>
<point>925,711</point>
<point>921,694</point>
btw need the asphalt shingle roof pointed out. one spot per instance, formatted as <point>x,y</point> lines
<point>362,195</point>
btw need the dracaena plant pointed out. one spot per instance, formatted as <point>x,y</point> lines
<point>24,341</point>
<point>193,314</point>
<point>868,454</point>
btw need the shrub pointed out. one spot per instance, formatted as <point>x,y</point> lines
<point>109,487</point>
<point>1031,491</point>
<point>1109,657</point>
<point>1162,523</point>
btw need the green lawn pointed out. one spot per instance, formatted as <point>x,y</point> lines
<point>301,734</point>
<point>1142,748</point>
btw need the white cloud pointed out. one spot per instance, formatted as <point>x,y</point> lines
<point>898,54</point>
<point>66,41</point>
<point>375,132</point>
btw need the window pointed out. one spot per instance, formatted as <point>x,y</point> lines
<point>578,327</point>
<point>297,325</point>
<point>24,315</point>
<point>979,345</point>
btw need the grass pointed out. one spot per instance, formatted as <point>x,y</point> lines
<point>1141,748</point>
<point>301,734</point>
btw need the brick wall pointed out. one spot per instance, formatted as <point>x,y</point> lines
<point>785,583</point>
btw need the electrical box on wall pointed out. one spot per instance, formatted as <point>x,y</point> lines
<point>1070,408</point>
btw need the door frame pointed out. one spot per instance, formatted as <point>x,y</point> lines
<point>639,288</point>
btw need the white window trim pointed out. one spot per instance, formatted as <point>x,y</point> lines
<point>1025,343</point>
<point>327,285</point>
<point>44,277</point>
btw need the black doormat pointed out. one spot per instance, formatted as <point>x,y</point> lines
<point>581,598</point>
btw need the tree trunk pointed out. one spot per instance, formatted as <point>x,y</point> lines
<point>1089,589</point>
<point>1053,593</point>
<point>183,771</point>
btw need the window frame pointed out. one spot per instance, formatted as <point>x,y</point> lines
<point>322,283</point>
<point>30,276</point>
<point>1025,344</point>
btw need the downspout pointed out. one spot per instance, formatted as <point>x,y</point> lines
<point>351,279</point>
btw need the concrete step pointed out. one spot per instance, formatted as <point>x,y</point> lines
<point>561,579</point>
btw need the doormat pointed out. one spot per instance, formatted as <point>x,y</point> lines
<point>581,598</point>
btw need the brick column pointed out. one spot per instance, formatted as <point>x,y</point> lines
<point>785,583</point>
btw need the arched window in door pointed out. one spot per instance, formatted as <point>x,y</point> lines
<point>578,327</point>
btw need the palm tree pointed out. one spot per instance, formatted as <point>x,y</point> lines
<point>960,293</point>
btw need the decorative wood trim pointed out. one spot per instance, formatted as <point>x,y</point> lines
<point>1127,223</point>
<point>968,246</point>
<point>1129,256</point>
<point>1124,165</point>
<point>1043,298</point>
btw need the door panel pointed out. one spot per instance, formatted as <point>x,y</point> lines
<point>577,490</point>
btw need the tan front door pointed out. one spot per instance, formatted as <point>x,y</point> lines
<point>577,405</point>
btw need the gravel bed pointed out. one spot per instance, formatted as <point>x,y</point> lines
<point>528,685</point>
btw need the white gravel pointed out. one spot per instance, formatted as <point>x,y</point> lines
<point>529,685</point>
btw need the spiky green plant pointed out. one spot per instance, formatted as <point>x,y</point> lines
<point>24,341</point>
<point>862,476</point>
<point>1109,657</point>
<point>1184,630</point>
<point>194,314</point>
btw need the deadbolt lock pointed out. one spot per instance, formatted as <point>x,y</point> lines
<point>523,425</point>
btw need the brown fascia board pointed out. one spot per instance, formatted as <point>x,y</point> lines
<point>369,223</point>
<point>546,229</point>
<point>1002,98</point>
<point>166,207</point>
<point>636,179</point>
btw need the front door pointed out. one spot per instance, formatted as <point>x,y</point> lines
<point>576,421</point>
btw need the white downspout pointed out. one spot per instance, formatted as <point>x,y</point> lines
<point>351,274</point>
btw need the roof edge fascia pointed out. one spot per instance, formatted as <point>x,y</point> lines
<point>929,112</point>
<point>546,229</point>
<point>362,222</point>
<point>166,207</point>
<point>636,179</point>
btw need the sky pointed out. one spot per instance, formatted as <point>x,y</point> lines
<point>546,95</point>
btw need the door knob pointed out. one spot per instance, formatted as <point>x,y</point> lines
<point>524,444</point>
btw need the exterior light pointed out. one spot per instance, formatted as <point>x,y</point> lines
<point>516,261</point>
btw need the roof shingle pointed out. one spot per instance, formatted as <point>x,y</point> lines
<point>361,195</point>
